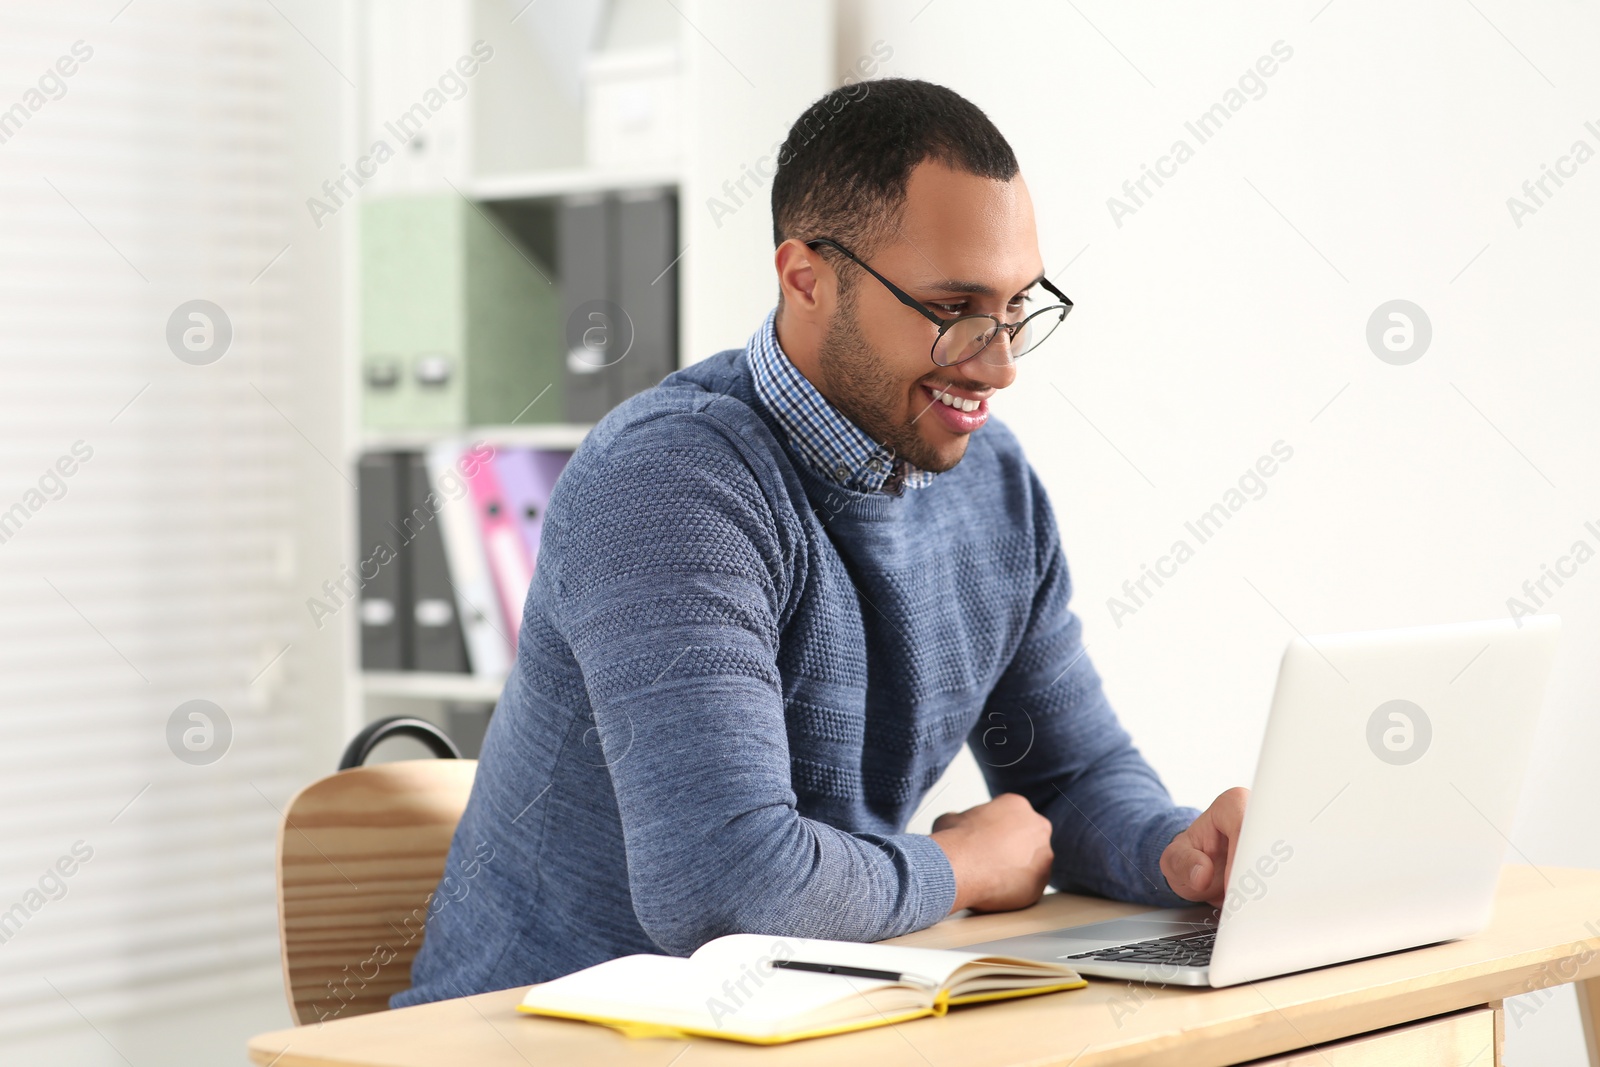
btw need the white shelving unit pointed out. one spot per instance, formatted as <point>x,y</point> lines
<point>529,435</point>
<point>425,685</point>
<point>517,135</point>
<point>539,185</point>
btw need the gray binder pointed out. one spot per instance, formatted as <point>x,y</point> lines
<point>384,620</point>
<point>647,286</point>
<point>436,640</point>
<point>584,250</point>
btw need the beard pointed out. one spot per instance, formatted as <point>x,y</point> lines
<point>868,394</point>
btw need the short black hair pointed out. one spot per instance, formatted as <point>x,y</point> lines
<point>843,169</point>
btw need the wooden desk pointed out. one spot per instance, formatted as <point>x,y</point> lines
<point>1546,932</point>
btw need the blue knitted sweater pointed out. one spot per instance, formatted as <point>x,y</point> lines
<point>736,682</point>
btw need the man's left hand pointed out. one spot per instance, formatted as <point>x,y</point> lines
<point>1198,861</point>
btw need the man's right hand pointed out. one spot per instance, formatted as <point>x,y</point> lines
<point>1000,852</point>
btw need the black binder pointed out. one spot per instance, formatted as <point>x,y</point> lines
<point>596,332</point>
<point>436,640</point>
<point>647,286</point>
<point>384,620</point>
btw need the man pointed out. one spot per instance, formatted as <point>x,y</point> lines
<point>779,591</point>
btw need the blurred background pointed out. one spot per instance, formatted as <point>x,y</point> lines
<point>274,268</point>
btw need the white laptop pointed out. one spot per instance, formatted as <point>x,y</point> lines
<point>1379,817</point>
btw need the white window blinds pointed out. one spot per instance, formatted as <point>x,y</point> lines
<point>147,504</point>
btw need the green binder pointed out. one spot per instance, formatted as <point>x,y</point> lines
<point>460,326</point>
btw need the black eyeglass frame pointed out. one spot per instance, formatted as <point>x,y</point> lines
<point>943,324</point>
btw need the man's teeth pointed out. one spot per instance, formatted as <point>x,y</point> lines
<point>955,401</point>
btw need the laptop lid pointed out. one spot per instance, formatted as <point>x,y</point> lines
<point>1384,793</point>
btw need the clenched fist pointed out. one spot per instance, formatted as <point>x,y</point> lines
<point>1000,852</point>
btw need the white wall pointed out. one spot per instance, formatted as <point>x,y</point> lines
<point>1228,311</point>
<point>744,92</point>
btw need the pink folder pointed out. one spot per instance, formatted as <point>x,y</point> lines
<point>510,566</point>
<point>526,478</point>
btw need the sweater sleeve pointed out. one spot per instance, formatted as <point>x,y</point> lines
<point>672,574</point>
<point>1048,733</point>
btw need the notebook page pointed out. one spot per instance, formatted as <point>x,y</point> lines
<point>758,951</point>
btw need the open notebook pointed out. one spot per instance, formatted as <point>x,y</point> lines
<point>742,987</point>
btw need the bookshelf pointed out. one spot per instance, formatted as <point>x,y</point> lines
<point>519,139</point>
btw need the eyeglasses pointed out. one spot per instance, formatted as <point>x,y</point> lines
<point>962,338</point>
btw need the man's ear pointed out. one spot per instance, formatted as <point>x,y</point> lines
<point>800,277</point>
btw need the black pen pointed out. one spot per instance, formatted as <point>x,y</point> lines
<point>835,968</point>
<point>854,972</point>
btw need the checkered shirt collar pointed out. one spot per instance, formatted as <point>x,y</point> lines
<point>831,445</point>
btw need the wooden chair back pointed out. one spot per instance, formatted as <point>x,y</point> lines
<point>359,855</point>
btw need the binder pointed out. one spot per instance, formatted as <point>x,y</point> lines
<point>464,569</point>
<point>527,477</point>
<point>460,319</point>
<point>510,569</point>
<point>384,623</point>
<point>596,331</point>
<point>436,634</point>
<point>647,286</point>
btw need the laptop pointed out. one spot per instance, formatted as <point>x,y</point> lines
<point>1379,816</point>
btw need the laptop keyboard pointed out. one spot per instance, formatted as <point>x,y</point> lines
<point>1182,950</point>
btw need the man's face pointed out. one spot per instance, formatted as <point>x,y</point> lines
<point>964,245</point>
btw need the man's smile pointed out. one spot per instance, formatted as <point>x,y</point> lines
<point>958,410</point>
